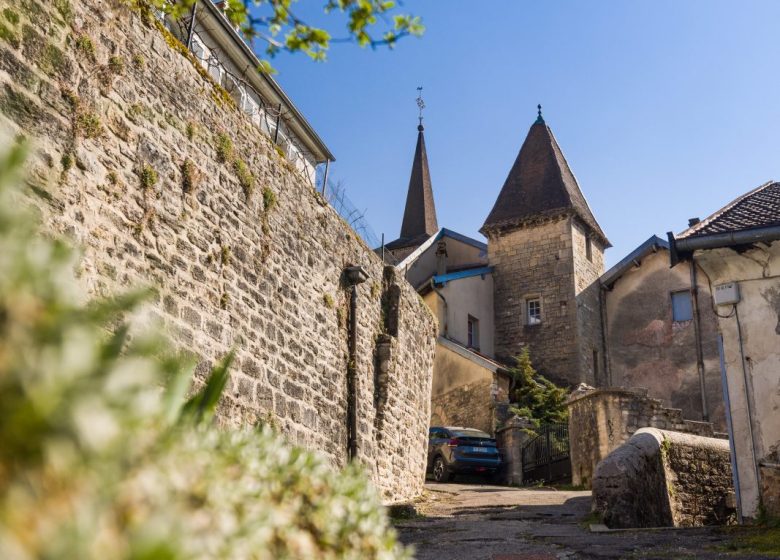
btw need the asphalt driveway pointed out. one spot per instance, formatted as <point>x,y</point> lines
<point>476,522</point>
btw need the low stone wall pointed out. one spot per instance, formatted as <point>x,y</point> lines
<point>664,479</point>
<point>600,420</point>
<point>770,488</point>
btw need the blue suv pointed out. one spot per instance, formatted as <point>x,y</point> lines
<point>454,451</point>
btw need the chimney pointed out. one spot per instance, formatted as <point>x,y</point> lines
<point>441,258</point>
<point>693,221</point>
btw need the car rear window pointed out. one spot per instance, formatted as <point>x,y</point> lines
<point>470,433</point>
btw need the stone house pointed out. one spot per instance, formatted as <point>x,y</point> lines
<point>738,251</point>
<point>661,332</point>
<point>539,282</point>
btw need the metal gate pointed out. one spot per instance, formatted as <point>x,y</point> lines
<point>546,456</point>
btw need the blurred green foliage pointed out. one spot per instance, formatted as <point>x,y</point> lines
<point>103,454</point>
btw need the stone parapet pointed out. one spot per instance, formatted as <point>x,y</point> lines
<point>600,420</point>
<point>660,478</point>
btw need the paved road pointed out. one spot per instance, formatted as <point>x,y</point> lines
<point>481,522</point>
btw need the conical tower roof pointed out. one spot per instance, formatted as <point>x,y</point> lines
<point>420,212</point>
<point>540,184</point>
<point>419,221</point>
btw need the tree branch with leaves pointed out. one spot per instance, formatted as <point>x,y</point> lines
<point>369,23</point>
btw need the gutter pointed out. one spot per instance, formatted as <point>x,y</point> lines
<point>680,249</point>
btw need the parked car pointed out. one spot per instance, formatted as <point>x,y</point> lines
<point>455,450</point>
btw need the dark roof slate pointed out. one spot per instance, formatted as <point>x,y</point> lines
<point>540,184</point>
<point>755,209</point>
<point>420,212</point>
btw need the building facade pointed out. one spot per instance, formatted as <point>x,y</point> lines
<point>539,283</point>
<point>738,248</point>
<point>547,251</point>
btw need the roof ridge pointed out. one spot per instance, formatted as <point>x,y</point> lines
<point>718,213</point>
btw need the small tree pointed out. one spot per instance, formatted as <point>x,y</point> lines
<point>534,396</point>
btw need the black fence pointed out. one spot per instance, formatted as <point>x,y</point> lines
<point>546,456</point>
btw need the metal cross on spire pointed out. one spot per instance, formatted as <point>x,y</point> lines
<point>420,106</point>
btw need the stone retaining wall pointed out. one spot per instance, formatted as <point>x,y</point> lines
<point>663,479</point>
<point>152,169</point>
<point>600,420</point>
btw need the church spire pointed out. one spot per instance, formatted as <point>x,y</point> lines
<point>420,213</point>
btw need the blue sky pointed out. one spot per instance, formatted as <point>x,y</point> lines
<point>665,110</point>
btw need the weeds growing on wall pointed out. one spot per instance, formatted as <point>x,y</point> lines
<point>104,456</point>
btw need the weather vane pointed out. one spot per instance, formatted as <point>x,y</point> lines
<point>420,103</point>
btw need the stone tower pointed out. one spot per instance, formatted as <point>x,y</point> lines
<point>547,251</point>
<point>420,213</point>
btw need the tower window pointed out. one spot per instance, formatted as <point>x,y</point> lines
<point>589,249</point>
<point>533,311</point>
<point>682,307</point>
<point>473,333</point>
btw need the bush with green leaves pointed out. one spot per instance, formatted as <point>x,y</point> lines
<point>534,396</point>
<point>104,456</point>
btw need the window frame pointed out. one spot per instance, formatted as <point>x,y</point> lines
<point>472,332</point>
<point>536,320</point>
<point>689,309</point>
<point>589,248</point>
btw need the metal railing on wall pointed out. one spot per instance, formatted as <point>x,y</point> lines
<point>336,194</point>
<point>272,121</point>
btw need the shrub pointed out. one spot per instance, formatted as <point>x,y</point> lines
<point>534,396</point>
<point>269,199</point>
<point>11,16</point>
<point>148,177</point>
<point>224,148</point>
<point>86,47</point>
<point>245,177</point>
<point>116,64</point>
<point>89,125</point>
<point>102,455</point>
<point>190,176</point>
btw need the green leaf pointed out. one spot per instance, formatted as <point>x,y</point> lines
<point>200,407</point>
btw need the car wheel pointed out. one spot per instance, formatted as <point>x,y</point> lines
<point>440,473</point>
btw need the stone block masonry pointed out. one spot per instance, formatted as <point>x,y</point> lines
<point>602,420</point>
<point>543,261</point>
<point>665,479</point>
<point>148,166</point>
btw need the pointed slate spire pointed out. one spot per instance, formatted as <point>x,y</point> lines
<point>420,212</point>
<point>539,184</point>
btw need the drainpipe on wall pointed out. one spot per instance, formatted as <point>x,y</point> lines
<point>353,275</point>
<point>705,413</point>
<point>604,343</point>
<point>748,386</point>
<point>724,380</point>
